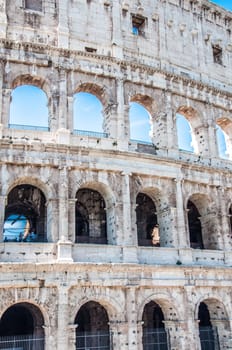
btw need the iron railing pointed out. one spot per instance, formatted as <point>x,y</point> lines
<point>90,133</point>
<point>155,339</point>
<point>28,127</point>
<point>93,341</point>
<point>149,143</point>
<point>209,338</point>
<point>21,342</point>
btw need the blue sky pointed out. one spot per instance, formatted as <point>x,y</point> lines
<point>227,4</point>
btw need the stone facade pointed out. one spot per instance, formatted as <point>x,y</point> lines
<point>171,56</point>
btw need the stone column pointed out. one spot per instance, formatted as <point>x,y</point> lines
<point>122,132</point>
<point>62,110</point>
<point>63,29</point>
<point>3,19</point>
<point>52,220</point>
<point>225,220</point>
<point>175,335</point>
<point>212,137</point>
<point>72,219</point>
<point>69,115</point>
<point>63,317</point>
<point>71,333</point>
<point>3,200</point>
<point>5,110</point>
<point>192,340</point>
<point>119,335</point>
<point>129,249</point>
<point>63,204</point>
<point>131,312</point>
<point>117,41</point>
<point>181,225</point>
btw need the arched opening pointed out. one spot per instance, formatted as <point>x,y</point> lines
<point>147,223</point>
<point>194,224</point>
<point>92,327</point>
<point>208,336</point>
<point>25,215</point>
<point>221,142</point>
<point>184,133</point>
<point>154,333</point>
<point>91,222</point>
<point>29,108</point>
<point>88,115</point>
<point>21,327</point>
<point>140,126</point>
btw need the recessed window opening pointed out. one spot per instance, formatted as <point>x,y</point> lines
<point>140,126</point>
<point>25,215</point>
<point>217,54</point>
<point>29,108</point>
<point>91,223</point>
<point>147,223</point>
<point>206,332</point>
<point>34,5</point>
<point>195,229</point>
<point>93,327</point>
<point>87,115</point>
<point>221,142</point>
<point>138,25</point>
<point>184,133</point>
<point>154,333</point>
<point>21,327</point>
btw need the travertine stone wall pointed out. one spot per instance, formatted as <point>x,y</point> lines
<point>88,46</point>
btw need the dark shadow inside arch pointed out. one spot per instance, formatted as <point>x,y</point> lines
<point>208,335</point>
<point>25,215</point>
<point>92,327</point>
<point>147,223</point>
<point>21,327</point>
<point>154,333</point>
<point>195,229</point>
<point>91,223</point>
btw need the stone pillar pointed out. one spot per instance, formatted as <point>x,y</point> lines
<point>50,337</point>
<point>212,137</point>
<point>5,110</point>
<point>62,110</point>
<point>131,312</point>
<point>117,41</point>
<point>225,220</point>
<point>122,117</point>
<point>192,339</point>
<point>212,238</point>
<point>72,219</point>
<point>71,333</point>
<point>3,19</point>
<point>63,204</point>
<point>63,29</point>
<point>129,249</point>
<point>3,201</point>
<point>70,116</point>
<point>119,335</point>
<point>181,225</point>
<point>52,220</point>
<point>63,317</point>
<point>110,120</point>
<point>175,335</point>
<point>126,219</point>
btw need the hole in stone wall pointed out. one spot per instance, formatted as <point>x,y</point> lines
<point>35,5</point>
<point>217,54</point>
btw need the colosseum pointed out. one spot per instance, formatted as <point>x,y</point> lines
<point>111,240</point>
